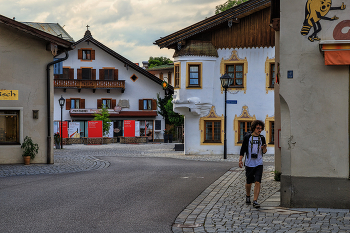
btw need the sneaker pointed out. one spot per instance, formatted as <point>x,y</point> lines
<point>256,204</point>
<point>247,200</point>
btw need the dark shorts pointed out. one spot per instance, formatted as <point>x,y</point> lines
<point>254,174</point>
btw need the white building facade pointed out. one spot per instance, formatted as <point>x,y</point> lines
<point>200,59</point>
<point>95,75</point>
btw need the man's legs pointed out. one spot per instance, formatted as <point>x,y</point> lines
<point>256,190</point>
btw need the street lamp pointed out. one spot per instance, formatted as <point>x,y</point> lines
<point>61,101</point>
<point>226,81</point>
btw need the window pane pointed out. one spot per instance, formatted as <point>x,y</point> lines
<point>239,67</point>
<point>194,75</point>
<point>208,131</point>
<point>109,74</point>
<point>77,103</point>
<point>194,69</point>
<point>239,82</point>
<point>239,75</point>
<point>72,103</point>
<point>217,129</point>
<point>144,104</point>
<point>230,69</point>
<point>9,127</point>
<point>194,82</point>
<point>241,131</point>
<point>150,104</point>
<point>86,54</point>
<point>104,103</point>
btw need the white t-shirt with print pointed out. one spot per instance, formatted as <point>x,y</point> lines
<point>251,162</point>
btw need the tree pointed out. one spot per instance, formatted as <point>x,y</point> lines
<point>103,116</point>
<point>227,5</point>
<point>166,110</point>
<point>157,61</point>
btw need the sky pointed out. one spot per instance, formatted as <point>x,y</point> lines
<point>129,27</point>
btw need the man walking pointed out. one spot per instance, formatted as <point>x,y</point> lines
<point>254,146</point>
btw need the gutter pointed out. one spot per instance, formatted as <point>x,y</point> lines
<point>48,92</point>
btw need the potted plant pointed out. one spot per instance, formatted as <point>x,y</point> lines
<point>30,150</point>
<point>57,140</point>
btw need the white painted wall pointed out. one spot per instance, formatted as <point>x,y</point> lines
<point>258,101</point>
<point>142,88</point>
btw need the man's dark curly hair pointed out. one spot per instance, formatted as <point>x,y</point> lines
<point>256,123</point>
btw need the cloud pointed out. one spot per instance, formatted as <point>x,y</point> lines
<point>127,26</point>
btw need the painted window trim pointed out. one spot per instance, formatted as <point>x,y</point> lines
<point>267,130</point>
<point>179,65</point>
<point>20,109</point>
<point>210,117</point>
<point>245,116</point>
<point>268,63</point>
<point>234,59</point>
<point>200,78</point>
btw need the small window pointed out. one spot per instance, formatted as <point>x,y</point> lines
<point>272,75</point>
<point>169,78</point>
<point>177,75</point>
<point>194,75</point>
<point>86,54</point>
<point>244,126</point>
<point>9,127</point>
<point>236,72</point>
<point>74,103</point>
<point>107,103</point>
<point>86,73</point>
<point>212,131</point>
<point>272,132</point>
<point>147,104</point>
<point>109,74</point>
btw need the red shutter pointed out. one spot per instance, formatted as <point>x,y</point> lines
<point>154,104</point>
<point>67,104</point>
<point>71,73</point>
<point>115,74</point>
<point>141,104</point>
<point>92,54</point>
<point>93,74</point>
<point>80,74</point>
<point>114,103</point>
<point>99,103</point>
<point>80,54</point>
<point>101,74</point>
<point>82,103</point>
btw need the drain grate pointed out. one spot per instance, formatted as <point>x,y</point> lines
<point>187,225</point>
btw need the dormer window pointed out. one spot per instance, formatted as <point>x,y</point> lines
<point>86,54</point>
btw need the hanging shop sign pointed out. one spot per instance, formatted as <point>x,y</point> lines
<point>8,94</point>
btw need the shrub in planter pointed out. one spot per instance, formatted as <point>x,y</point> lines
<point>29,148</point>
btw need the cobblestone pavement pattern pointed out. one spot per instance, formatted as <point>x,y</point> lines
<point>220,208</point>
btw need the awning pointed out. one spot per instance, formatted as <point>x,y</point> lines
<point>336,52</point>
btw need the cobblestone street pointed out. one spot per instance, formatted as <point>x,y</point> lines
<point>219,208</point>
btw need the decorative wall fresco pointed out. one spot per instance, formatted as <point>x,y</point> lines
<point>315,10</point>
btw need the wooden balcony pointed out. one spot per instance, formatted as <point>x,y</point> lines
<point>89,84</point>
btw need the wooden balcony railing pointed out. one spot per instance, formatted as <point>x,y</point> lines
<point>91,84</point>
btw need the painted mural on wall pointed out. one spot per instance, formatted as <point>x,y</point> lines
<point>315,10</point>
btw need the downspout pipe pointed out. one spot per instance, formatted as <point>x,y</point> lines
<point>48,92</point>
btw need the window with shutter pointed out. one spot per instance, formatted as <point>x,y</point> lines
<point>10,125</point>
<point>86,74</point>
<point>109,74</point>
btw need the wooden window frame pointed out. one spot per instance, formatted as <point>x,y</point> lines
<point>177,75</point>
<point>153,104</point>
<point>81,103</point>
<point>234,74</point>
<point>200,73</point>
<point>235,59</point>
<point>81,54</point>
<point>102,73</point>
<point>213,131</point>
<point>17,132</point>
<point>268,70</point>
<point>246,129</point>
<point>169,78</point>
<point>212,116</point>
<point>270,131</point>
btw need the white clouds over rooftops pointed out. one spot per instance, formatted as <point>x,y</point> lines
<point>127,26</point>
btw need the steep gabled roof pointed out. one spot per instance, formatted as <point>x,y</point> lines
<point>88,37</point>
<point>35,32</point>
<point>234,14</point>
